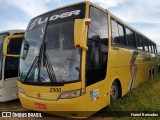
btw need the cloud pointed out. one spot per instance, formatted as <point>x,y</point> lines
<point>108,3</point>
<point>139,11</point>
<point>152,33</point>
<point>22,11</point>
<point>12,24</point>
<point>30,7</point>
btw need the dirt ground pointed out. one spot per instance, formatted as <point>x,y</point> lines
<point>16,106</point>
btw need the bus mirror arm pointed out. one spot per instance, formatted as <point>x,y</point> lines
<point>6,43</point>
<point>80,33</point>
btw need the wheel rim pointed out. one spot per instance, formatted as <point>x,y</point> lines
<point>114,91</point>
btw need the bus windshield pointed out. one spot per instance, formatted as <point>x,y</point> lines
<point>52,57</point>
<point>2,36</point>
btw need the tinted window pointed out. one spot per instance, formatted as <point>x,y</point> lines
<point>60,35</point>
<point>121,34</point>
<point>152,45</point>
<point>155,47</point>
<point>93,55</point>
<point>149,46</point>
<point>145,44</point>
<point>53,42</point>
<point>139,42</point>
<point>117,33</point>
<point>96,62</point>
<point>130,38</point>
<point>60,29</point>
<point>12,63</point>
<point>98,28</point>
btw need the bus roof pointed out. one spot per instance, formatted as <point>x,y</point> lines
<point>62,7</point>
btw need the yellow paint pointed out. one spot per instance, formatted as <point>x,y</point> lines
<point>80,32</point>
<point>5,44</point>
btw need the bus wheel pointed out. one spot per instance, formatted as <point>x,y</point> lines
<point>114,92</point>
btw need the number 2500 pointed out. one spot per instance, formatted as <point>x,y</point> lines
<point>55,89</point>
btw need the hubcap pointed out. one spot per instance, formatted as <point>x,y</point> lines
<point>114,91</point>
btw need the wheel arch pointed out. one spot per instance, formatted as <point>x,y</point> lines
<point>119,86</point>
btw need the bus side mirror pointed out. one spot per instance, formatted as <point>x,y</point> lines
<point>25,48</point>
<point>7,40</point>
<point>80,32</point>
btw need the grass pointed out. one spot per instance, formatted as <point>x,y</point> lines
<point>146,97</point>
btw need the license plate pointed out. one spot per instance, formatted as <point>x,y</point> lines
<point>41,106</point>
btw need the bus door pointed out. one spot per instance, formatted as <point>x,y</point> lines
<point>11,65</point>
<point>96,58</point>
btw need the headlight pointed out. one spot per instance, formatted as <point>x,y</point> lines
<point>72,94</point>
<point>21,90</point>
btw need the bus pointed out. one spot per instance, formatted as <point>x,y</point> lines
<point>77,59</point>
<point>8,64</point>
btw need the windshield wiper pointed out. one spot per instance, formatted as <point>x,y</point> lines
<point>32,68</point>
<point>47,63</point>
<point>50,70</point>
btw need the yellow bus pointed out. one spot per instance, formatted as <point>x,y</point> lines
<point>78,58</point>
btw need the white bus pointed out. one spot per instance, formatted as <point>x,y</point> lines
<point>8,64</point>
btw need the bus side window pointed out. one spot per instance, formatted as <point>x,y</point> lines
<point>145,44</point>
<point>153,50</point>
<point>149,46</point>
<point>117,33</point>
<point>97,54</point>
<point>121,34</point>
<point>139,42</point>
<point>155,46</point>
<point>130,38</point>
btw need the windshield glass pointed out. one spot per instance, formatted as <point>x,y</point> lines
<point>59,60</point>
<point>2,37</point>
<point>34,37</point>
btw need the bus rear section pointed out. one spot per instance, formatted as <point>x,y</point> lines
<point>9,65</point>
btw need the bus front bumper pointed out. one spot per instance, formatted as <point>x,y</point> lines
<point>73,107</point>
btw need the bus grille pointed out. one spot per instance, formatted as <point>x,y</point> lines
<point>44,96</point>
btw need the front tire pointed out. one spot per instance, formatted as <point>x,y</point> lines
<point>114,92</point>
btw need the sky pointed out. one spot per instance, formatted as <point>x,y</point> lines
<point>143,15</point>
